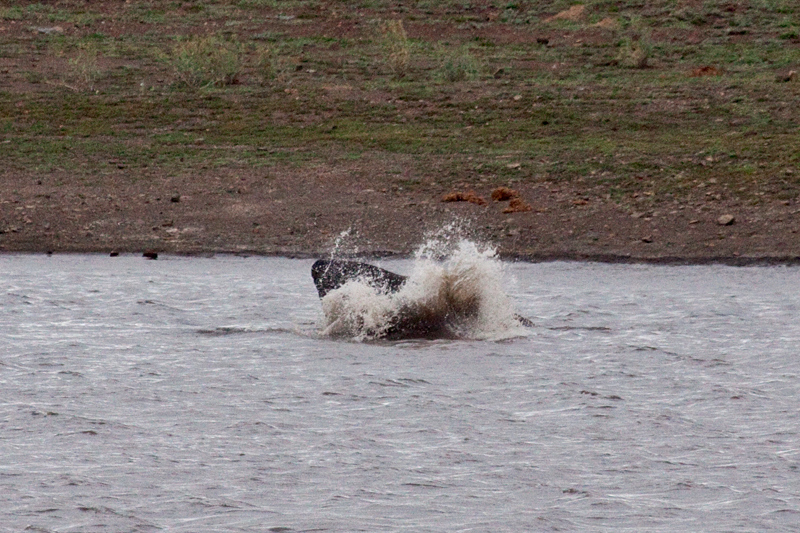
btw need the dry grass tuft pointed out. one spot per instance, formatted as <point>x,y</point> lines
<point>607,23</point>
<point>394,41</point>
<point>207,61</point>
<point>85,69</point>
<point>573,14</point>
<point>502,194</point>
<point>705,71</point>
<point>468,196</point>
<point>517,205</point>
<point>459,65</point>
<point>634,52</point>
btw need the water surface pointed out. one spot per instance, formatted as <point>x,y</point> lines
<point>197,395</point>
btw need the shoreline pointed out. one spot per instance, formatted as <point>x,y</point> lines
<point>295,215</point>
<point>378,255</point>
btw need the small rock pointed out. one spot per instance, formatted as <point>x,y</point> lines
<point>726,220</point>
<point>114,253</point>
<point>786,77</point>
<point>150,254</point>
<point>175,198</point>
<point>647,239</point>
<point>52,30</point>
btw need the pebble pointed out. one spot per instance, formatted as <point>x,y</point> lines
<point>52,30</point>
<point>726,220</point>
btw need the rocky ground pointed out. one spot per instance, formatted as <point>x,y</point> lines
<point>303,213</point>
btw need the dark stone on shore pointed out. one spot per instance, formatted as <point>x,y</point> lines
<point>150,254</point>
<point>114,254</point>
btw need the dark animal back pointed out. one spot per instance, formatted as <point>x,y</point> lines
<point>331,274</point>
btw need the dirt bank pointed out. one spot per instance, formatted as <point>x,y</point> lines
<point>303,212</point>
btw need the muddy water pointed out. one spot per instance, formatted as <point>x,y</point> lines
<point>197,395</point>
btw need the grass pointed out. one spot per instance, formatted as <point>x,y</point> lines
<point>206,61</point>
<point>397,49</point>
<point>264,83</point>
<point>459,65</point>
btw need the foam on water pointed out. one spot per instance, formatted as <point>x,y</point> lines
<point>454,290</point>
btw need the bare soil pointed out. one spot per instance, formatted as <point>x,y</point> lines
<point>303,212</point>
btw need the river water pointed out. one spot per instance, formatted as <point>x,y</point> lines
<point>198,394</point>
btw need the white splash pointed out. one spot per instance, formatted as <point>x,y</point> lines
<point>454,291</point>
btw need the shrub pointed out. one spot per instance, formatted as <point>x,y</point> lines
<point>264,65</point>
<point>633,53</point>
<point>396,47</point>
<point>272,65</point>
<point>11,13</point>
<point>84,66</point>
<point>207,61</point>
<point>636,47</point>
<point>459,65</point>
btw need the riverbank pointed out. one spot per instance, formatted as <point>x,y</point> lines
<point>304,215</point>
<point>632,134</point>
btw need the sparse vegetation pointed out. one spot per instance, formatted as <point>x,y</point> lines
<point>636,46</point>
<point>265,65</point>
<point>449,90</point>
<point>396,48</point>
<point>11,13</point>
<point>634,52</point>
<point>206,61</point>
<point>459,65</point>
<point>84,67</point>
